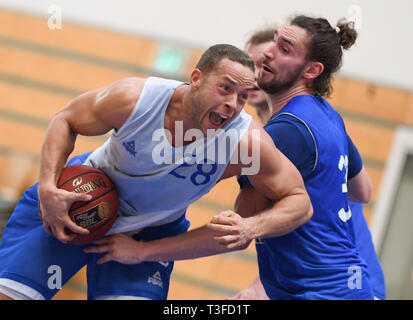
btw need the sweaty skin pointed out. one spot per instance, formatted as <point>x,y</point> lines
<point>223,91</point>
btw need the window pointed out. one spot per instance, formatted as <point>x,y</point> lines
<point>392,225</point>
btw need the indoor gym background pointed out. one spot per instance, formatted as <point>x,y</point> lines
<point>42,69</point>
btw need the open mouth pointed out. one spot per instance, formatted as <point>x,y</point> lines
<point>266,69</point>
<point>217,119</point>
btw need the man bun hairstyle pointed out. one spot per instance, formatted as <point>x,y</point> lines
<point>347,33</point>
<point>325,45</point>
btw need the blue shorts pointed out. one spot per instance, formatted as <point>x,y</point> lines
<point>30,256</point>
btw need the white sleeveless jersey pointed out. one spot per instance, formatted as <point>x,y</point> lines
<point>155,181</point>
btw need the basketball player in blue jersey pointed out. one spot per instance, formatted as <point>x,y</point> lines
<point>143,115</point>
<point>320,259</point>
<point>302,155</point>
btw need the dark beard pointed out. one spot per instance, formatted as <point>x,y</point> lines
<point>276,86</point>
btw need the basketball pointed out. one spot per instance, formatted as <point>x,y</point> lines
<point>98,214</point>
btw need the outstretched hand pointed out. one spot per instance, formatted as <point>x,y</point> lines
<point>118,247</point>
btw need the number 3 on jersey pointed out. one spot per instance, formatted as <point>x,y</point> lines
<point>344,214</point>
<point>201,176</point>
<point>343,165</point>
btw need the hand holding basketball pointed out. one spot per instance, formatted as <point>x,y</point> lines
<point>54,205</point>
<point>82,208</point>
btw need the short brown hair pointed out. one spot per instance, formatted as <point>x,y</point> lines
<point>261,36</point>
<point>215,54</point>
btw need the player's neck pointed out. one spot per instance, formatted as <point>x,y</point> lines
<point>280,99</point>
<point>178,110</point>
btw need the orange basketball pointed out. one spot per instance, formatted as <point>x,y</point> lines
<point>98,214</point>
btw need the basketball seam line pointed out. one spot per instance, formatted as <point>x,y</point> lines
<point>80,174</point>
<point>97,198</point>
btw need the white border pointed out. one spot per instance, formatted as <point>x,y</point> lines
<point>402,147</point>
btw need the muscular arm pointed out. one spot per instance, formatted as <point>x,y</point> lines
<point>92,113</point>
<point>281,189</point>
<point>277,179</point>
<point>287,207</point>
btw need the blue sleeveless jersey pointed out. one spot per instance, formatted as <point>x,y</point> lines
<point>318,260</point>
<point>155,181</point>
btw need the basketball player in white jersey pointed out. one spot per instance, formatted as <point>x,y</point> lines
<point>153,196</point>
